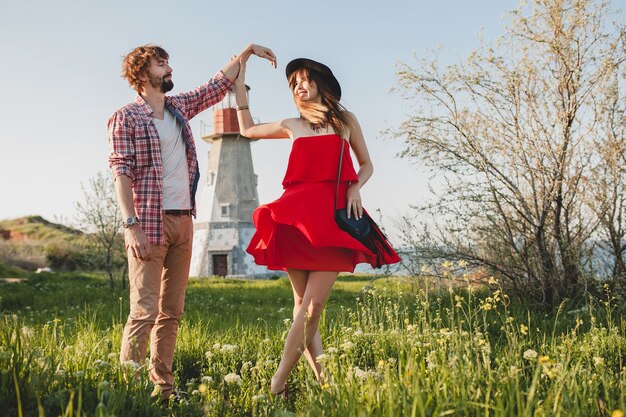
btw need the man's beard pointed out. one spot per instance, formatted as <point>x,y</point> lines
<point>160,82</point>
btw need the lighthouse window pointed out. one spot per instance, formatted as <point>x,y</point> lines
<point>225,210</point>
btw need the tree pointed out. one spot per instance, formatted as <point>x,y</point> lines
<point>513,135</point>
<point>100,217</point>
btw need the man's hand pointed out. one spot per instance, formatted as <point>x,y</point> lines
<point>138,242</point>
<point>263,52</point>
<point>231,69</point>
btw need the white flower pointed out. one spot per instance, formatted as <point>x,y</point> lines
<point>359,373</point>
<point>79,374</point>
<point>256,398</point>
<point>358,333</point>
<point>228,348</point>
<point>100,363</point>
<point>332,350</point>
<point>598,361</point>
<point>530,354</point>
<point>131,364</point>
<point>233,379</point>
<point>321,358</point>
<point>347,345</point>
<point>206,379</point>
<point>217,346</point>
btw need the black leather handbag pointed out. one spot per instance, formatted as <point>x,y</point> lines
<point>357,228</point>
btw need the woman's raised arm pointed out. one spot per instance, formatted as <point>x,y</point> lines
<point>247,127</point>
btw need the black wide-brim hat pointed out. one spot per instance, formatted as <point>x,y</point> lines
<point>319,68</point>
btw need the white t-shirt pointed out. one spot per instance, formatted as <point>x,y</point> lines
<point>175,170</point>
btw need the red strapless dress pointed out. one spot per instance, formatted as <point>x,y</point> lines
<point>298,230</point>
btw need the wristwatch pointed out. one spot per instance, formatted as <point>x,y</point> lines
<point>131,221</point>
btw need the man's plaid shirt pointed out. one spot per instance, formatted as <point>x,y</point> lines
<point>135,149</point>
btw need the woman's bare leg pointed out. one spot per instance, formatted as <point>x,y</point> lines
<point>299,279</point>
<point>305,324</point>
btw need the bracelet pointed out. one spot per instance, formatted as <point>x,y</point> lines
<point>242,108</point>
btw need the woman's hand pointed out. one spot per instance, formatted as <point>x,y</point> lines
<point>241,77</point>
<point>354,205</point>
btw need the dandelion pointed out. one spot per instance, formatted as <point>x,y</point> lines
<point>381,363</point>
<point>492,281</point>
<point>530,354</point>
<point>202,388</point>
<point>544,360</point>
<point>598,361</point>
<point>617,413</point>
<point>233,379</point>
<point>523,329</point>
<point>462,263</point>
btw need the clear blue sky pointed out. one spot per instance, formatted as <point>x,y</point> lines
<point>60,78</point>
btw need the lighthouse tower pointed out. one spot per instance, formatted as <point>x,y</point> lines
<point>226,198</point>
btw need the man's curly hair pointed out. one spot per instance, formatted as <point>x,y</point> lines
<point>137,62</point>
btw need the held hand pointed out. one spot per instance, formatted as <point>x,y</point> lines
<point>263,52</point>
<point>354,201</point>
<point>241,77</point>
<point>138,243</point>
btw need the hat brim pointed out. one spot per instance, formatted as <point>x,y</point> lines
<point>319,68</point>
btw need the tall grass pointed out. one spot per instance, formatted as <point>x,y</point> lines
<point>392,349</point>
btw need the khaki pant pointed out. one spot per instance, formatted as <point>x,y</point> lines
<point>157,299</point>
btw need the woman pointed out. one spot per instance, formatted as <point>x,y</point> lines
<point>297,233</point>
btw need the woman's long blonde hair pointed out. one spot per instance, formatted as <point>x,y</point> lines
<point>328,111</point>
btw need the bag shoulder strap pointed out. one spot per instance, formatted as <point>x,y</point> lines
<point>339,170</point>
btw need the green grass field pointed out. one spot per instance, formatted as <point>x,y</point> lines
<point>393,348</point>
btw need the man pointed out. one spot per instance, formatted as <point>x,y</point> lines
<point>153,162</point>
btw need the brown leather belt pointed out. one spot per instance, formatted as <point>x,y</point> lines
<point>178,212</point>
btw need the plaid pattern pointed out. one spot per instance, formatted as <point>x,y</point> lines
<point>135,150</point>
